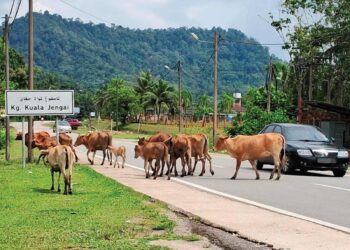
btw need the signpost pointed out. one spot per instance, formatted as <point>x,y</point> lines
<point>37,103</point>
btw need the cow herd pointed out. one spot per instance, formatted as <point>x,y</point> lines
<point>161,148</point>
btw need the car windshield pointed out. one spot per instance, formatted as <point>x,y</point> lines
<point>304,134</point>
<point>63,123</point>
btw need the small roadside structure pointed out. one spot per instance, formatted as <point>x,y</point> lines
<point>333,120</point>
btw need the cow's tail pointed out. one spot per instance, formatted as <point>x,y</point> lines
<point>109,151</point>
<point>283,150</point>
<point>67,158</point>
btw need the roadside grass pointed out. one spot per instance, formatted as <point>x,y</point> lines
<point>101,213</point>
<point>135,130</point>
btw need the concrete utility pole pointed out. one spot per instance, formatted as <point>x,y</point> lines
<point>7,72</point>
<point>216,45</point>
<point>31,76</point>
<point>180,89</point>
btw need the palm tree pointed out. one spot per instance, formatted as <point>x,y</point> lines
<point>144,84</point>
<point>226,103</point>
<point>160,95</point>
<point>186,97</point>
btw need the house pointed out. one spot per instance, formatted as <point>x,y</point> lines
<point>333,120</point>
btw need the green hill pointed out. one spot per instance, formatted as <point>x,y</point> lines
<point>90,54</point>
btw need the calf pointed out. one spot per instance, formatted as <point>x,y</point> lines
<point>199,149</point>
<point>118,151</point>
<point>60,159</point>
<point>180,147</point>
<point>157,151</point>
<point>255,147</point>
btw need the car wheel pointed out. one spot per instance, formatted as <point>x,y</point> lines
<point>287,167</point>
<point>339,172</point>
<point>259,165</point>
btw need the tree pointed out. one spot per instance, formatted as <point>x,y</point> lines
<point>256,117</point>
<point>316,34</point>
<point>144,83</point>
<point>160,96</point>
<point>186,97</point>
<point>226,102</point>
<point>204,106</point>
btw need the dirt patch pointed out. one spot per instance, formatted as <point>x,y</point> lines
<point>197,235</point>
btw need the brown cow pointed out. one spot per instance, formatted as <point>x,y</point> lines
<point>96,141</point>
<point>199,149</point>
<point>49,142</point>
<point>118,151</point>
<point>158,137</point>
<point>38,137</point>
<point>61,159</point>
<point>255,147</point>
<point>180,147</point>
<point>153,151</point>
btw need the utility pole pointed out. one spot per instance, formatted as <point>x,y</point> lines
<point>31,77</point>
<point>180,89</point>
<point>216,45</point>
<point>268,108</point>
<point>311,87</point>
<point>7,63</point>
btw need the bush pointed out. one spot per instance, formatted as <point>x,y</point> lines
<point>2,138</point>
<point>255,119</point>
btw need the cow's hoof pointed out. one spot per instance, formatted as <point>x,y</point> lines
<point>52,188</point>
<point>212,172</point>
<point>59,190</point>
<point>147,176</point>
<point>233,177</point>
<point>155,177</point>
<point>65,193</point>
<point>277,178</point>
<point>70,192</point>
<point>168,178</point>
<point>270,177</point>
<point>257,178</point>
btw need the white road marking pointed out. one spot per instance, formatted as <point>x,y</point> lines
<point>217,166</point>
<point>253,203</point>
<point>339,188</point>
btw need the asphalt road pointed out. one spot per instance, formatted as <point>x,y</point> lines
<point>316,195</point>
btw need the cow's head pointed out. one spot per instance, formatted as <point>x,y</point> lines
<point>220,143</point>
<point>138,151</point>
<point>19,136</point>
<point>80,140</point>
<point>142,141</point>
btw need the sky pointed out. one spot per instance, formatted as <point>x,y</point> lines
<point>249,16</point>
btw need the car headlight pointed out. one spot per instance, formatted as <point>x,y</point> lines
<point>304,152</point>
<point>343,154</point>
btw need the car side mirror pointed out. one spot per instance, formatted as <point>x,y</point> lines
<point>332,139</point>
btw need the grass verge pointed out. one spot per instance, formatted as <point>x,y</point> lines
<point>101,214</point>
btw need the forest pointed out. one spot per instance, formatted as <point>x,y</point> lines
<point>91,54</point>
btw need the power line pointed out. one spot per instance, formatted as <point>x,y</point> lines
<point>13,3</point>
<point>18,6</point>
<point>85,12</point>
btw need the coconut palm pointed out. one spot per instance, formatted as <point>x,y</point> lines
<point>144,84</point>
<point>226,103</point>
<point>186,97</point>
<point>160,95</point>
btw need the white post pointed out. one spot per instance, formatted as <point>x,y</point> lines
<point>57,132</point>
<point>23,148</point>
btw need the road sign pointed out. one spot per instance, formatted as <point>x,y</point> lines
<point>39,102</point>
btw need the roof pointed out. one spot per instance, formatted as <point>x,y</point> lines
<point>291,125</point>
<point>329,107</point>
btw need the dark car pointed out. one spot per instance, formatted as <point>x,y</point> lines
<point>307,148</point>
<point>73,122</point>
